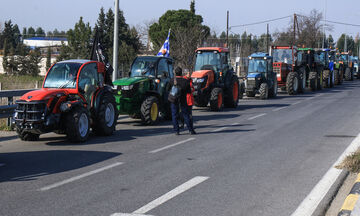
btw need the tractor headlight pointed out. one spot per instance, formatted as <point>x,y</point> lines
<point>127,87</point>
<point>200,80</point>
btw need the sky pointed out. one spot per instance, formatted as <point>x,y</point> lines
<point>63,14</point>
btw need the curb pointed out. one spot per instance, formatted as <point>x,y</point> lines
<point>351,204</point>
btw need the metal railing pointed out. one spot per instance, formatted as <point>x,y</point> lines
<point>6,111</point>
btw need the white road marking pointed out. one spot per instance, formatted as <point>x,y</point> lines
<point>170,146</point>
<point>219,129</point>
<point>80,176</point>
<point>257,116</point>
<point>127,214</point>
<point>310,203</point>
<point>171,194</point>
<point>296,103</point>
<point>234,124</point>
<point>280,108</point>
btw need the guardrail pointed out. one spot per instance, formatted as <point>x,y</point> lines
<point>6,111</point>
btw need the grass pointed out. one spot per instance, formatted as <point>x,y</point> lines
<point>351,162</point>
<point>9,82</point>
<point>3,125</point>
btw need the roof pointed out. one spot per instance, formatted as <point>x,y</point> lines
<point>305,49</point>
<point>47,38</point>
<point>283,47</point>
<point>219,49</point>
<point>81,61</point>
<point>260,55</point>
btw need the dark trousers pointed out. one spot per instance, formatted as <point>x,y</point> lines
<point>184,113</point>
<point>190,116</point>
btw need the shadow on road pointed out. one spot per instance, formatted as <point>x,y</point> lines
<point>27,166</point>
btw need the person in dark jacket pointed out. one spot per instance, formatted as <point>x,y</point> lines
<point>181,102</point>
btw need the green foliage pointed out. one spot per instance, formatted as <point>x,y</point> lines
<point>48,58</point>
<point>39,32</point>
<point>350,44</point>
<point>192,6</point>
<point>79,40</point>
<point>11,34</point>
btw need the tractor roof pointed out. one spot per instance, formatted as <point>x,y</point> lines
<point>80,61</point>
<point>219,49</point>
<point>260,55</point>
<point>323,49</point>
<point>305,49</point>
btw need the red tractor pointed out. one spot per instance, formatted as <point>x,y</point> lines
<point>74,98</point>
<point>214,79</point>
<point>288,76</point>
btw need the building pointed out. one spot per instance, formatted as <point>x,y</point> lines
<point>44,42</point>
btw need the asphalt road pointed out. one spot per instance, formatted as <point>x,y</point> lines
<point>262,158</point>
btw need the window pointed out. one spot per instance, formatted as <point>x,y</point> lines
<point>162,67</point>
<point>88,80</point>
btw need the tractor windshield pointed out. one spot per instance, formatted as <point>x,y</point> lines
<point>62,75</point>
<point>143,67</point>
<point>282,55</point>
<point>257,65</point>
<point>344,57</point>
<point>208,61</point>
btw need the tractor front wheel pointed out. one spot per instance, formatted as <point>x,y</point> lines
<point>327,79</point>
<point>232,94</point>
<point>274,89</point>
<point>347,74</point>
<point>302,80</point>
<point>292,83</point>
<point>264,91</point>
<point>216,99</point>
<point>313,78</point>
<point>27,136</point>
<point>77,125</point>
<point>150,110</point>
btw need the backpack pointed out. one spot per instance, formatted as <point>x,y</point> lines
<point>174,93</point>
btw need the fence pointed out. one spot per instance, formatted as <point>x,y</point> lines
<point>6,111</point>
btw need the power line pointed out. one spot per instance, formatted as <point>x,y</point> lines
<point>341,23</point>
<point>261,22</point>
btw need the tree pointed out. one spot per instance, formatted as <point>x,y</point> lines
<point>48,58</point>
<point>192,6</point>
<point>31,32</point>
<point>180,22</point>
<point>11,34</point>
<point>79,40</point>
<point>39,32</point>
<point>350,44</point>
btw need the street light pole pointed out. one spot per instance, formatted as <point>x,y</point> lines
<point>116,41</point>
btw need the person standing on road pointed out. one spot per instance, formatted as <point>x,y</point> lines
<point>189,101</point>
<point>181,102</point>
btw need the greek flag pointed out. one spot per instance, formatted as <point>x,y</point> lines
<point>165,49</point>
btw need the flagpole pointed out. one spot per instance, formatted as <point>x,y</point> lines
<point>116,41</point>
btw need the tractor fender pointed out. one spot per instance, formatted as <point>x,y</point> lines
<point>98,95</point>
<point>154,93</point>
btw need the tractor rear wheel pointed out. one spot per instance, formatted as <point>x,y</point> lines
<point>106,118</point>
<point>273,90</point>
<point>313,78</point>
<point>302,80</point>
<point>292,83</point>
<point>77,124</point>
<point>327,79</point>
<point>27,136</point>
<point>337,77</point>
<point>150,110</point>
<point>232,94</point>
<point>264,91</point>
<point>216,99</point>
<point>347,74</point>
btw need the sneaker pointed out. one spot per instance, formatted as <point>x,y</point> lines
<point>192,132</point>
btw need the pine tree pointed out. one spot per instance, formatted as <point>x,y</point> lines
<point>48,58</point>
<point>192,6</point>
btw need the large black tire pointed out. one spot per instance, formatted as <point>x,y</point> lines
<point>27,136</point>
<point>150,111</point>
<point>347,74</point>
<point>337,77</point>
<point>332,78</point>
<point>106,118</point>
<point>201,101</point>
<point>250,93</point>
<point>302,80</point>
<point>77,124</point>
<point>313,80</point>
<point>274,89</point>
<point>264,91</point>
<point>241,90</point>
<point>216,99</point>
<point>231,98</point>
<point>327,79</point>
<point>292,83</point>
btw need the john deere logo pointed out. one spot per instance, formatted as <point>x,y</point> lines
<point>29,97</point>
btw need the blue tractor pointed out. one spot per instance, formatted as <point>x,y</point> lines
<point>261,78</point>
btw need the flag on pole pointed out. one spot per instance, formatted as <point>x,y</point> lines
<point>165,49</point>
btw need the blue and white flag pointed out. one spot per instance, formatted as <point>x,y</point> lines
<point>165,49</point>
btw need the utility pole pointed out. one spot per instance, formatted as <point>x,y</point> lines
<point>323,42</point>
<point>116,41</point>
<point>345,46</point>
<point>227,29</point>
<point>267,38</point>
<point>294,29</point>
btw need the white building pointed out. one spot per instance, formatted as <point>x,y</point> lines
<point>41,42</point>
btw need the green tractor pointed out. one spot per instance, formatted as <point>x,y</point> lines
<point>346,65</point>
<point>338,67</point>
<point>143,95</point>
<point>308,60</point>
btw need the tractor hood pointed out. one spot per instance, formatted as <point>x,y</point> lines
<point>201,73</point>
<point>254,75</point>
<point>129,81</point>
<point>42,94</point>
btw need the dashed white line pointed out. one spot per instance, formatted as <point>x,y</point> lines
<point>170,146</point>
<point>234,124</point>
<point>80,176</point>
<point>280,108</point>
<point>127,214</point>
<point>313,199</point>
<point>296,103</point>
<point>257,116</point>
<point>219,129</point>
<point>171,194</point>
